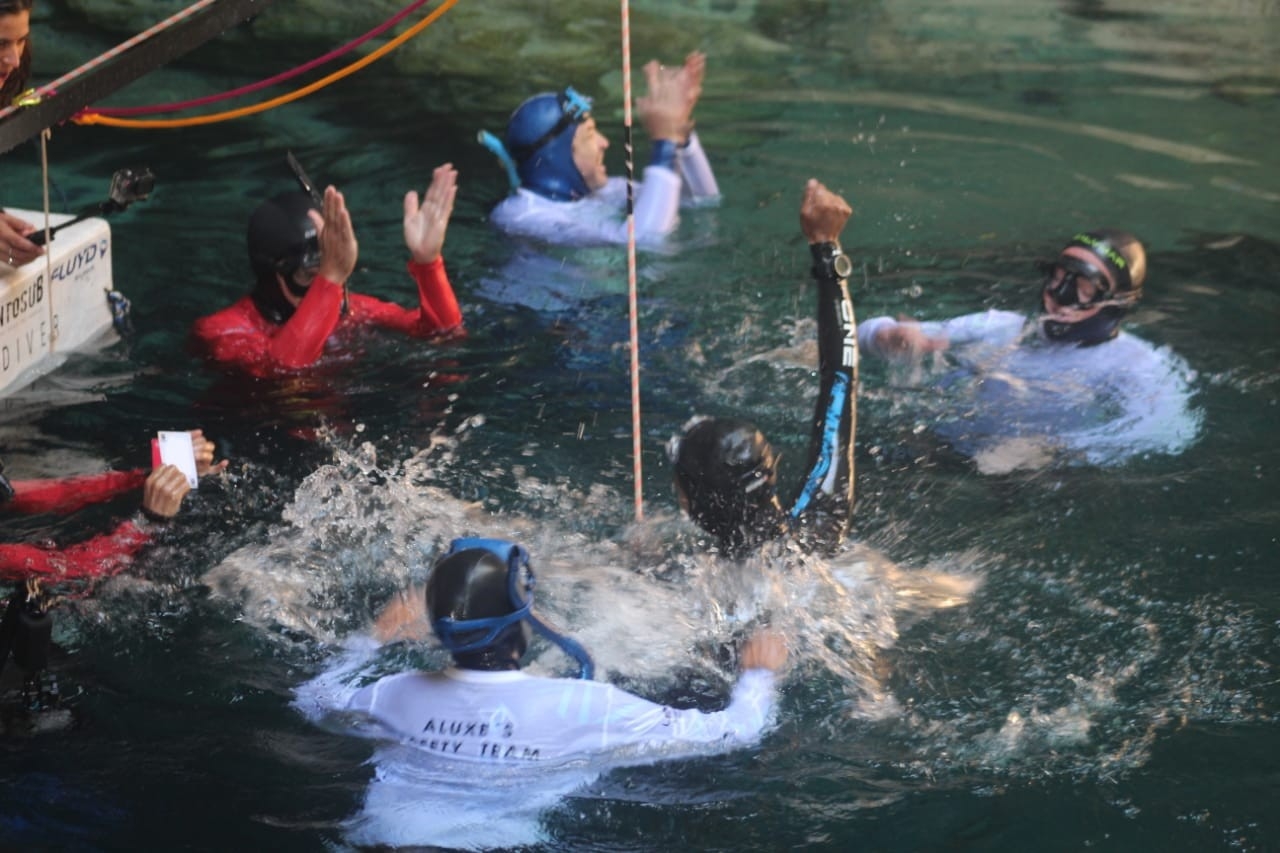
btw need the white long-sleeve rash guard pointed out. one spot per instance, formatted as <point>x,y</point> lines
<point>514,717</point>
<point>1106,402</point>
<point>599,218</point>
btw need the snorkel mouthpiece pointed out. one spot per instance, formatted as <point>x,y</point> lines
<point>520,584</point>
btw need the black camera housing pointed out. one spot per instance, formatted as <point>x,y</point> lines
<point>129,185</point>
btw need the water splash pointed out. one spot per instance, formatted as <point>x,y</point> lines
<point>659,614</point>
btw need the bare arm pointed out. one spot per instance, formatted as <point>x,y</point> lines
<point>404,617</point>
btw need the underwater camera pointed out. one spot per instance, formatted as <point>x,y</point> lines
<point>127,186</point>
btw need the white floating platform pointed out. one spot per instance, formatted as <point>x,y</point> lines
<point>56,304</point>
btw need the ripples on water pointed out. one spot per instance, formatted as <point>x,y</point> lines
<point>1084,654</point>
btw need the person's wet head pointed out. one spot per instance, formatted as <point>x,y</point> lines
<point>15,48</point>
<point>1089,288</point>
<point>553,147</point>
<point>284,252</point>
<point>479,601</point>
<point>478,609</point>
<point>726,480</point>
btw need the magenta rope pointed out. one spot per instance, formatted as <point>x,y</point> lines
<point>121,112</point>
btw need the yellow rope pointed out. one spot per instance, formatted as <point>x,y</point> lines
<point>253,109</point>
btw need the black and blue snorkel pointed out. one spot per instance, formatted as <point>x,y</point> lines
<point>537,152</point>
<point>476,634</point>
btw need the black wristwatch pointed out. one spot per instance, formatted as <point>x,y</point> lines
<point>829,262</point>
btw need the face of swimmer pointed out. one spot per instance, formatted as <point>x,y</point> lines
<point>300,279</point>
<point>15,30</point>
<point>1091,279</point>
<point>589,146</point>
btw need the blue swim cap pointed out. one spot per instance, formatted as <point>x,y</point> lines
<point>540,141</point>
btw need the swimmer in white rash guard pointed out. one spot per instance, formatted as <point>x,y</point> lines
<point>1068,381</point>
<point>483,710</point>
<point>561,192</point>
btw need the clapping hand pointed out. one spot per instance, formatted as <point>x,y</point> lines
<point>425,224</point>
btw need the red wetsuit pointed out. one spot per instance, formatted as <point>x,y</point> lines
<point>241,336</point>
<point>101,556</point>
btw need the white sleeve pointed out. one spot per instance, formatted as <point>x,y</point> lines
<point>599,219</point>
<point>1153,389</point>
<point>635,722</point>
<point>991,327</point>
<point>700,185</point>
<point>566,223</point>
<point>332,690</point>
<point>657,205</point>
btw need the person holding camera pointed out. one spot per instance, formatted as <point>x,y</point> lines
<point>302,258</point>
<point>15,67</point>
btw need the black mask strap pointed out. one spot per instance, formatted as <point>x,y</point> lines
<point>6,488</point>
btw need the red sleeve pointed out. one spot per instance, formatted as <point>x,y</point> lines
<point>437,311</point>
<point>72,493</point>
<point>242,337</point>
<point>439,306</point>
<point>99,557</point>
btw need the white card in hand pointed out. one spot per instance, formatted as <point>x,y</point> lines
<point>176,449</point>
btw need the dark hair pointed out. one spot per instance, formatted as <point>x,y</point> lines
<point>16,83</point>
<point>469,585</point>
<point>726,472</point>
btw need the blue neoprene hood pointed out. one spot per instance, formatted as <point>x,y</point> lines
<point>537,151</point>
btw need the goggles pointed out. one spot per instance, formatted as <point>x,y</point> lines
<point>470,635</point>
<point>574,108</point>
<point>299,270</point>
<point>1063,279</point>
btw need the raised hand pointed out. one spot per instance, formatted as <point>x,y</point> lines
<point>339,250</point>
<point>763,650</point>
<point>823,213</point>
<point>667,107</point>
<point>425,224</point>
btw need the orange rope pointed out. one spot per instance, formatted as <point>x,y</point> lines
<point>253,109</point>
<point>632,307</point>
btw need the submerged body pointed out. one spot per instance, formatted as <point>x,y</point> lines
<point>600,217</point>
<point>1099,404</point>
<point>240,336</point>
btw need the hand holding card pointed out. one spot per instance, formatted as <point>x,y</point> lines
<point>177,449</point>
